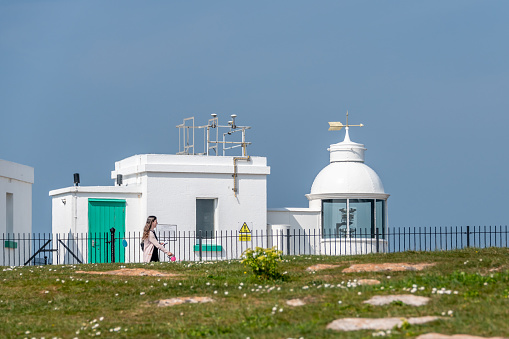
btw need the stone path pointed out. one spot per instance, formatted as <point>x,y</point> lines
<point>295,302</point>
<point>409,299</point>
<point>184,300</point>
<point>455,336</point>
<point>356,324</point>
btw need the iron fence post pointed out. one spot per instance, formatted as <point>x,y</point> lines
<point>468,236</point>
<point>377,241</point>
<point>200,243</point>
<point>288,241</point>
<point>112,242</point>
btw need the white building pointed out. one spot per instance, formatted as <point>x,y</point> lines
<point>216,206</point>
<point>192,196</point>
<point>15,210</point>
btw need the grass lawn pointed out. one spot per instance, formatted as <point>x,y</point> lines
<point>55,301</point>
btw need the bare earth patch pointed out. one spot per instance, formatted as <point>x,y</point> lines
<point>387,267</point>
<point>295,302</point>
<point>409,299</point>
<point>356,324</point>
<point>319,267</point>
<point>139,272</point>
<point>184,300</point>
<point>495,269</point>
<point>455,336</point>
<point>368,282</point>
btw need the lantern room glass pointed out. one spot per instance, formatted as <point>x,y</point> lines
<point>380,218</point>
<point>334,217</point>
<point>362,218</point>
<point>353,218</point>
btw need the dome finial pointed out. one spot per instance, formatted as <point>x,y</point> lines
<point>336,126</point>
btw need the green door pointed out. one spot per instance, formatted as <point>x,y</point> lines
<point>104,214</point>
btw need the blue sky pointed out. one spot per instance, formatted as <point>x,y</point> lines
<point>85,84</point>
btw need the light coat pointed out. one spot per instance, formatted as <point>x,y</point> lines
<point>149,244</point>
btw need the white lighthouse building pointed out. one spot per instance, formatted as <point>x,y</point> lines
<point>347,204</point>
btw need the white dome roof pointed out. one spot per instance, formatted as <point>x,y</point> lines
<point>346,178</point>
<point>346,175</point>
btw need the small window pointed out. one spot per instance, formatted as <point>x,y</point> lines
<point>205,218</point>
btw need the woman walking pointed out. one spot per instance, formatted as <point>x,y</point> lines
<point>150,242</point>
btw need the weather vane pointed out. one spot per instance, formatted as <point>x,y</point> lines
<point>336,126</point>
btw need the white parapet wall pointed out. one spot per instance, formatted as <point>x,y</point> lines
<point>301,224</point>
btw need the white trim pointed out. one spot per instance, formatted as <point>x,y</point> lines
<point>294,209</point>
<point>323,196</point>
<point>97,189</point>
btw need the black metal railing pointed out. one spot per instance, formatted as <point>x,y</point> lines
<point>77,248</point>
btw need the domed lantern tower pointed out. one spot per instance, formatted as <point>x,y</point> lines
<point>351,198</point>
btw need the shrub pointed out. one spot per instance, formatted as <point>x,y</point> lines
<point>263,262</point>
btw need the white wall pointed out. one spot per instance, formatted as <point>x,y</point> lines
<point>304,227</point>
<point>17,180</point>
<point>172,183</point>
<point>297,218</point>
<point>167,186</point>
<point>70,217</point>
<point>173,197</point>
<point>70,207</point>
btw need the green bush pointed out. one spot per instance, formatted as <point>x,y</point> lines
<point>263,262</point>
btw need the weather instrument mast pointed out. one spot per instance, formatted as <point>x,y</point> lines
<point>212,133</point>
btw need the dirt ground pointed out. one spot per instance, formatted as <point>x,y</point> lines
<point>140,272</point>
<point>387,267</point>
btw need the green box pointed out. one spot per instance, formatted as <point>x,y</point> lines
<point>208,248</point>
<point>11,244</point>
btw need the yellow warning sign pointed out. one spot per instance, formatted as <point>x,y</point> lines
<point>244,229</point>
<point>244,233</point>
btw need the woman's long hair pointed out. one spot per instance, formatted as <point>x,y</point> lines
<point>147,227</point>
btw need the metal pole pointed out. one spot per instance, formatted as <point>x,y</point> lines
<point>288,241</point>
<point>200,243</point>
<point>468,236</point>
<point>112,242</point>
